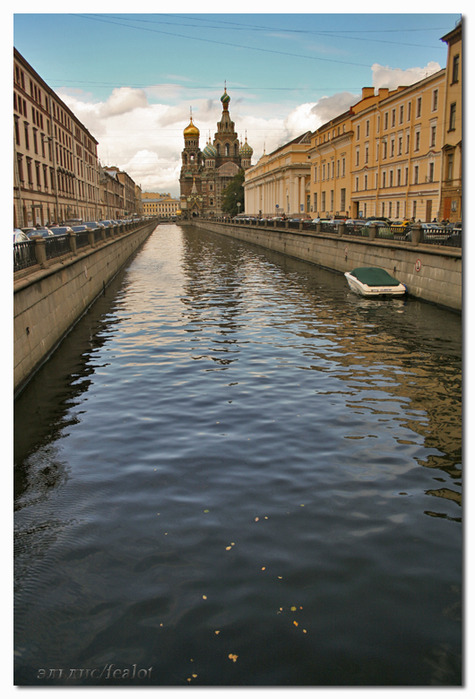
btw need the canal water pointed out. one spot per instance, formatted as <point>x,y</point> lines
<point>235,472</point>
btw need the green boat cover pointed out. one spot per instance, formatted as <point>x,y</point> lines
<point>374,276</point>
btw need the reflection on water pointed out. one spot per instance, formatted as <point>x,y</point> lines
<point>236,472</point>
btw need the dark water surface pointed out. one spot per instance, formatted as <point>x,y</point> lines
<point>235,472</point>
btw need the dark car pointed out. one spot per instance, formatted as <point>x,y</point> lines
<point>61,230</point>
<point>42,232</point>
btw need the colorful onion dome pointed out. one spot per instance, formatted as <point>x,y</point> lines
<point>225,99</point>
<point>209,151</point>
<point>246,151</point>
<point>191,130</point>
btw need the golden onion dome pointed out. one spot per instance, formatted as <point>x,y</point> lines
<point>191,130</point>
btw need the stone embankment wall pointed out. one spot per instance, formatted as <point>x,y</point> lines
<point>430,272</point>
<point>49,300</point>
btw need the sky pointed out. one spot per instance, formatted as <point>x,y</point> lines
<point>134,79</point>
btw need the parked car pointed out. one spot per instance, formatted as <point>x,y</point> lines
<point>61,230</point>
<point>401,226</point>
<point>80,228</point>
<point>19,236</point>
<point>382,228</point>
<point>42,232</point>
<point>94,225</point>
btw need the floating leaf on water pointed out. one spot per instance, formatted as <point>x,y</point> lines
<point>304,630</point>
<point>206,511</point>
<point>295,623</point>
<point>263,568</point>
<point>217,632</point>
<point>256,519</point>
<point>228,548</point>
<point>233,657</point>
<point>205,597</point>
<point>293,609</point>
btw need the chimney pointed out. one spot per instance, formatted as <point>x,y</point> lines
<point>367,92</point>
<point>383,92</point>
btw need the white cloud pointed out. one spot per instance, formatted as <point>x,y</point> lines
<point>140,133</point>
<point>384,76</point>
<point>123,100</point>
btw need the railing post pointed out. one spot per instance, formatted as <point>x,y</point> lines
<point>72,243</point>
<point>372,231</point>
<point>40,251</point>
<point>341,229</point>
<point>90,238</point>
<point>318,227</point>
<point>416,233</point>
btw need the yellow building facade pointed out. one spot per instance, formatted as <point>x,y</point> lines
<point>451,190</point>
<point>395,154</point>
<point>162,206</point>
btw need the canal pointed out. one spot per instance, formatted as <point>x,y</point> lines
<point>234,472</point>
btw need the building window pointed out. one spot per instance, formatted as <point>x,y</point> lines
<point>452,116</point>
<point>435,100</point>
<point>418,107</point>
<point>366,153</point>
<point>393,118</point>
<point>367,128</point>
<point>417,143</point>
<point>386,118</point>
<point>455,68</point>
<point>450,166</point>
<point>343,199</point>
<point>357,157</point>
<point>409,111</point>
<point>433,132</point>
<point>401,113</point>
<point>343,163</point>
<point>358,132</point>
<point>416,174</point>
<point>399,145</point>
<point>431,172</point>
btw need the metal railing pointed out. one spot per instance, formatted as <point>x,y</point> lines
<point>428,235</point>
<point>38,251</point>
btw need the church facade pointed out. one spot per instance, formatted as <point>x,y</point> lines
<point>206,173</point>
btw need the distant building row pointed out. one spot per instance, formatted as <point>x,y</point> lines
<point>57,175</point>
<point>395,154</point>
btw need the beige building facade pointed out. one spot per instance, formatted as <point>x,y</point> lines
<point>278,184</point>
<point>56,170</point>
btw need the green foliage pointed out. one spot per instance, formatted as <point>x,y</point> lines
<point>234,194</point>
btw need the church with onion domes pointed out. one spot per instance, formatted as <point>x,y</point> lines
<point>206,173</point>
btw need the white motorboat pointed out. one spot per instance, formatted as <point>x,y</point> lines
<point>374,281</point>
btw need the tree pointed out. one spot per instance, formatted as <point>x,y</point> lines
<point>234,195</point>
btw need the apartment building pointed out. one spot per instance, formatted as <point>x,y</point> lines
<point>451,189</point>
<point>56,171</point>
<point>397,151</point>
<point>163,206</point>
<point>394,154</point>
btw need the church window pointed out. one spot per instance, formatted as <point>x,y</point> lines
<point>226,149</point>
